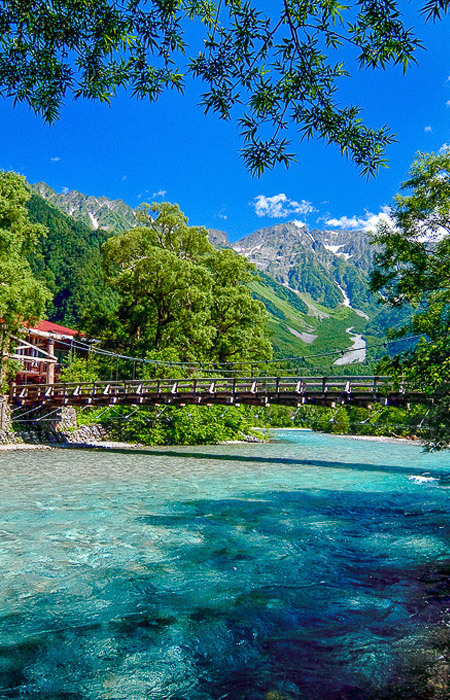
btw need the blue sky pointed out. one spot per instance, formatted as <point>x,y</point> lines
<point>140,152</point>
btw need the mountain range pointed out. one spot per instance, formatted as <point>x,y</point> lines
<point>314,283</point>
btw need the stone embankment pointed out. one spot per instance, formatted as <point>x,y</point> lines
<point>35,434</point>
<point>61,430</point>
<point>84,435</point>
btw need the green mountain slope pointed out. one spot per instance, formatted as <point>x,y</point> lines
<point>301,327</point>
<point>325,264</point>
<point>68,260</point>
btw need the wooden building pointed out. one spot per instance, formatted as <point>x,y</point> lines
<point>41,350</point>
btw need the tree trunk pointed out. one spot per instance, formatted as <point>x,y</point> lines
<point>5,343</point>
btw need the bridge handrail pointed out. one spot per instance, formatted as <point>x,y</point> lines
<point>211,384</point>
<point>306,377</point>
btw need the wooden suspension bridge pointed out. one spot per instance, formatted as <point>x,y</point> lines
<point>253,391</point>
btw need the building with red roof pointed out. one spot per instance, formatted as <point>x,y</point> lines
<point>41,350</point>
<point>54,330</point>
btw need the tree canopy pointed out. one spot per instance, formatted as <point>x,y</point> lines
<point>269,70</point>
<point>177,296</point>
<point>22,297</point>
<point>412,269</point>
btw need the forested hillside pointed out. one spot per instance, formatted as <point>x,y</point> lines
<point>68,260</point>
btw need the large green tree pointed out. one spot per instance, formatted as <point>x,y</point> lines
<point>237,319</point>
<point>267,68</point>
<point>22,297</point>
<point>178,296</point>
<point>412,270</point>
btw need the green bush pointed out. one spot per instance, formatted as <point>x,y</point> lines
<point>191,425</point>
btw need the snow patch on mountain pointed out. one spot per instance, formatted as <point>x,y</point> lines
<point>346,302</point>
<point>94,221</point>
<point>246,252</point>
<point>336,250</point>
<point>333,248</point>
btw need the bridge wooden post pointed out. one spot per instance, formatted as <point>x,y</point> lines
<point>51,365</point>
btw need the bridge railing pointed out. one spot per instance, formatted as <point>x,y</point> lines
<point>77,392</point>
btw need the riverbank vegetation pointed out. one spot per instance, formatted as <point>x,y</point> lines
<point>198,425</point>
<point>388,421</point>
<point>167,425</point>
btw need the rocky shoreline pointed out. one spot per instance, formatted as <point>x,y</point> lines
<point>94,436</point>
<point>97,437</point>
<point>46,437</point>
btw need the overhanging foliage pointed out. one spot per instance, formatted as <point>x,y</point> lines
<point>267,70</point>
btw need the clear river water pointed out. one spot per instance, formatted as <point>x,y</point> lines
<point>314,567</point>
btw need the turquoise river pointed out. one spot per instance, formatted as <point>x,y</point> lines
<point>313,567</point>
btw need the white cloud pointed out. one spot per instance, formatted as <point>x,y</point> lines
<point>428,129</point>
<point>279,206</point>
<point>448,103</point>
<point>160,193</point>
<point>221,214</point>
<point>369,222</point>
<point>444,149</point>
<point>65,190</point>
<point>55,159</point>
<point>124,177</point>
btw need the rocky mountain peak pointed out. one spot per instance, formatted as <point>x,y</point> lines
<point>111,215</point>
<point>217,238</point>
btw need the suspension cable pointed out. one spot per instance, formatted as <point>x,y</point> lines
<point>224,366</point>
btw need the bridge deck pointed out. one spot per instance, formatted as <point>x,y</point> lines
<point>255,391</point>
